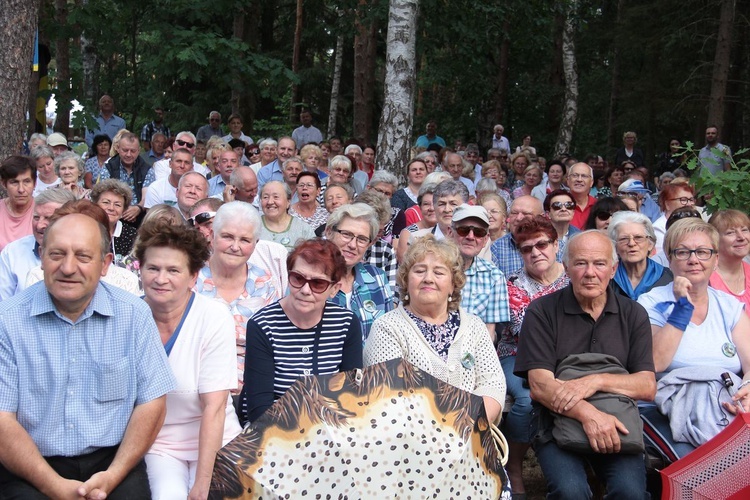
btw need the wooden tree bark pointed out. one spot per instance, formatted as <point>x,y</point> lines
<point>295,61</point>
<point>614,95</point>
<point>62,58</point>
<point>18,23</point>
<point>238,31</point>
<point>502,74</point>
<point>394,132</point>
<point>721,64</point>
<point>90,66</point>
<point>364,69</point>
<point>570,70</point>
<point>335,85</point>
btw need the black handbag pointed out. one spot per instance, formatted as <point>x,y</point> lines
<point>568,432</point>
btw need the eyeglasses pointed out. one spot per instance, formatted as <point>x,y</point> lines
<point>214,119</point>
<point>254,152</point>
<point>701,253</point>
<point>628,194</point>
<point>539,245</point>
<point>494,212</point>
<point>579,176</point>
<point>559,205</point>
<point>347,236</point>
<point>201,218</point>
<point>186,144</point>
<point>463,231</point>
<point>306,185</point>
<point>317,285</point>
<point>625,240</point>
<point>684,200</point>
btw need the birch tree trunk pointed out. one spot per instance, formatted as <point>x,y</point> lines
<point>394,132</point>
<point>570,70</point>
<point>18,23</point>
<point>721,65</point>
<point>335,85</point>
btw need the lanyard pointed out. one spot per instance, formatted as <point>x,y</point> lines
<point>170,343</point>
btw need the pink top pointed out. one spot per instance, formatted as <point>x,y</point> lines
<point>716,282</point>
<point>12,227</point>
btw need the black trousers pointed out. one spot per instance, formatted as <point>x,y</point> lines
<point>134,487</point>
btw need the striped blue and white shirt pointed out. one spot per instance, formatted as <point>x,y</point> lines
<point>278,353</point>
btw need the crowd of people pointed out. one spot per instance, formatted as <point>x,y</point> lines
<point>173,286</point>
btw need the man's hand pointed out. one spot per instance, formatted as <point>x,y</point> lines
<point>571,392</point>
<point>131,213</point>
<point>98,486</point>
<point>602,431</point>
<point>229,193</point>
<point>64,489</point>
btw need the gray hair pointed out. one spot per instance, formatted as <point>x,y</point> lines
<point>238,211</point>
<point>41,151</point>
<point>283,184</point>
<point>492,151</point>
<point>486,184</point>
<point>566,250</point>
<point>383,176</point>
<point>352,147</point>
<point>628,217</point>
<point>346,187</point>
<point>36,136</point>
<point>115,186</point>
<point>379,202</point>
<point>268,141</point>
<point>192,172</point>
<point>236,179</point>
<point>187,133</point>
<point>450,188</point>
<point>437,177</point>
<point>341,160</point>
<point>425,154</point>
<point>293,159</point>
<point>667,175</point>
<point>61,196</point>
<point>356,211</point>
<point>69,155</point>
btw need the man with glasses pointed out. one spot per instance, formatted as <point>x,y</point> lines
<point>212,129</point>
<point>580,180</point>
<point>485,292</point>
<point>505,253</point>
<point>187,141</point>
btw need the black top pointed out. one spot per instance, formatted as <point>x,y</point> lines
<point>556,326</point>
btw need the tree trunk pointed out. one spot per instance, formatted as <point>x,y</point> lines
<point>570,105</point>
<point>502,74</point>
<point>364,69</point>
<point>18,24</point>
<point>238,31</point>
<point>90,65</point>
<point>335,85</point>
<point>721,64</point>
<point>556,74</point>
<point>62,58</point>
<point>614,95</point>
<point>295,62</point>
<point>394,132</point>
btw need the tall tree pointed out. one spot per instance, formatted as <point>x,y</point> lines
<point>721,64</point>
<point>365,44</point>
<point>570,70</point>
<point>295,59</point>
<point>90,66</point>
<point>394,132</point>
<point>335,86</point>
<point>18,25</point>
<point>62,56</point>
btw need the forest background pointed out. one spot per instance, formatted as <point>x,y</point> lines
<point>662,69</point>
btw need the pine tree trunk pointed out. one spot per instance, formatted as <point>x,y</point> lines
<point>18,24</point>
<point>295,61</point>
<point>335,85</point>
<point>238,31</point>
<point>364,66</point>
<point>614,95</point>
<point>394,137</point>
<point>502,74</point>
<point>570,70</point>
<point>90,65</point>
<point>721,64</point>
<point>62,58</point>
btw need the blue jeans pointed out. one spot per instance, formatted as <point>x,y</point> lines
<point>565,473</point>
<point>517,423</point>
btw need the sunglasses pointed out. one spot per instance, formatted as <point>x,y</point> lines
<point>559,205</point>
<point>317,285</point>
<point>539,245</point>
<point>463,231</point>
<point>602,216</point>
<point>201,218</point>
<point>186,144</point>
<point>255,152</point>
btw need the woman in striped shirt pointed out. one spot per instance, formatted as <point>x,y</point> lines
<point>302,334</point>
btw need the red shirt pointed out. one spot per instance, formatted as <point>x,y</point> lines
<point>580,216</point>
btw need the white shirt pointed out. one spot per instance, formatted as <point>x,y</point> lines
<point>161,191</point>
<point>162,169</point>
<point>41,186</point>
<point>16,260</point>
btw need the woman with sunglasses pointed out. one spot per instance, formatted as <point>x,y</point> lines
<point>697,332</point>
<point>602,212</point>
<point>541,274</point>
<point>301,334</point>
<point>634,239</point>
<point>559,205</point>
<point>228,277</point>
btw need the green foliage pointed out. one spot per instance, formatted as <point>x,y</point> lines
<point>725,189</point>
